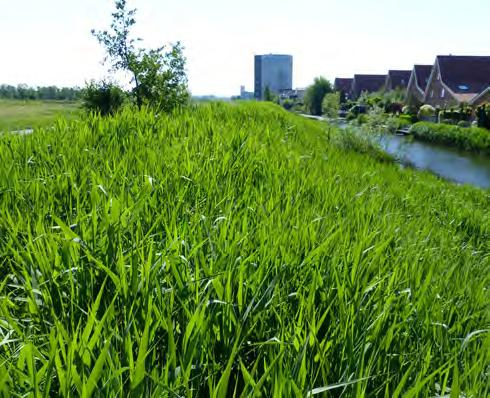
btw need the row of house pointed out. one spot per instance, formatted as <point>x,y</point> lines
<point>450,81</point>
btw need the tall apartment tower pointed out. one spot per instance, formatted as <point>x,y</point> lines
<point>274,71</point>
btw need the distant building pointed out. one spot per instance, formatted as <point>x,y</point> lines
<point>397,79</point>
<point>417,84</point>
<point>367,84</point>
<point>343,86</point>
<point>274,71</point>
<point>457,79</point>
<point>246,95</point>
<point>294,94</point>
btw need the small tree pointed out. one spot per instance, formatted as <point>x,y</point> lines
<point>315,93</point>
<point>158,77</point>
<point>331,104</point>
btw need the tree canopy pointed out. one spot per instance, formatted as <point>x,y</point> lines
<point>315,93</point>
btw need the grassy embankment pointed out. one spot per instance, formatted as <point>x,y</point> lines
<point>232,250</point>
<point>20,115</point>
<point>473,138</point>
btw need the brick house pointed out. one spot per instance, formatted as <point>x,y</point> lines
<point>457,79</point>
<point>367,83</point>
<point>417,84</point>
<point>482,98</point>
<point>343,86</point>
<point>397,79</point>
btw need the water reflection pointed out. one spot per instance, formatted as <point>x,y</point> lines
<point>452,164</point>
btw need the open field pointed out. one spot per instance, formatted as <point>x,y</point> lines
<point>19,115</point>
<point>235,250</point>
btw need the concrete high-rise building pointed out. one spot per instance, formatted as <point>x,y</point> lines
<point>274,71</point>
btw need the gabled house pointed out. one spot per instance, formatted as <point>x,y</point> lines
<point>343,86</point>
<point>397,79</point>
<point>457,79</point>
<point>367,84</point>
<point>482,98</point>
<point>417,84</point>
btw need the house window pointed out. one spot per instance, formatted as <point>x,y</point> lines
<point>443,92</point>
<point>438,76</point>
<point>431,93</point>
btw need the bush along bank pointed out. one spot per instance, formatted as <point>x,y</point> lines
<point>474,139</point>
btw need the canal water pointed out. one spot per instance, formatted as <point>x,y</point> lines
<point>452,164</point>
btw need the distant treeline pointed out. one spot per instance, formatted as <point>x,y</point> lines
<point>24,92</point>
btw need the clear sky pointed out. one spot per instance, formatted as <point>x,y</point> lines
<point>44,42</point>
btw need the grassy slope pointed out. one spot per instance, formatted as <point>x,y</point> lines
<point>234,249</point>
<point>17,115</point>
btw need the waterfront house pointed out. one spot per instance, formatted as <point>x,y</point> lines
<point>482,98</point>
<point>343,86</point>
<point>397,79</point>
<point>367,84</point>
<point>457,79</point>
<point>417,84</point>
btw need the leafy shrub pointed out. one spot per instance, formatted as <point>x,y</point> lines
<point>407,119</point>
<point>362,118</point>
<point>395,123</point>
<point>287,104</point>
<point>456,115</point>
<point>426,112</point>
<point>464,123</point>
<point>410,110</point>
<point>371,99</point>
<point>483,116</point>
<point>331,104</point>
<point>103,98</point>
<point>394,107</point>
<point>473,138</point>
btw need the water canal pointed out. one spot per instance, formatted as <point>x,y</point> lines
<point>456,165</point>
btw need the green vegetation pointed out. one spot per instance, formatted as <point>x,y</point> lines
<point>24,92</point>
<point>483,116</point>
<point>19,115</point>
<point>270,96</point>
<point>461,115</point>
<point>473,139</point>
<point>331,104</point>
<point>158,76</point>
<point>227,250</point>
<point>104,98</point>
<point>314,95</point>
<point>390,101</point>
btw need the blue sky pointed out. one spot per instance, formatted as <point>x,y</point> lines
<point>49,42</point>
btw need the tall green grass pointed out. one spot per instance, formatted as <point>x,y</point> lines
<point>234,251</point>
